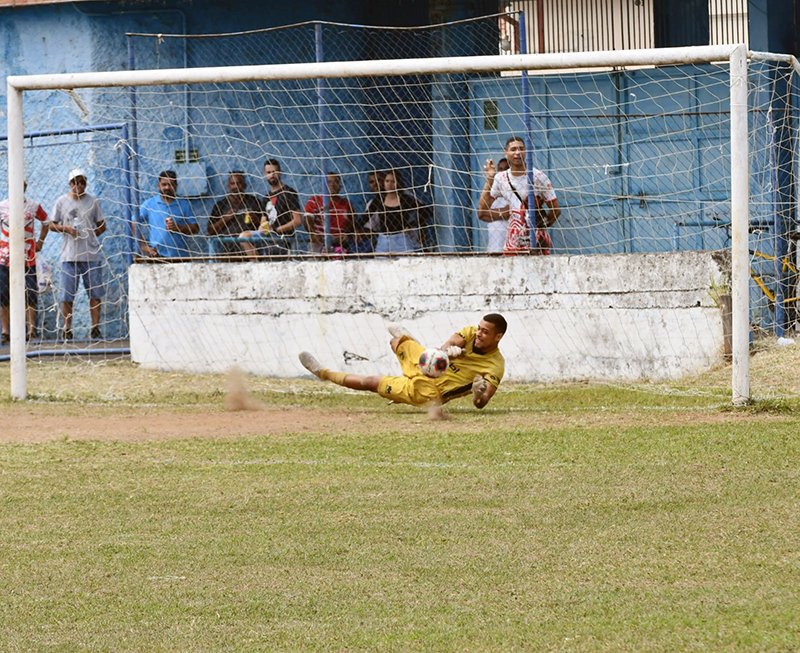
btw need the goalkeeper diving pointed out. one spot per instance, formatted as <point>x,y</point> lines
<point>476,367</point>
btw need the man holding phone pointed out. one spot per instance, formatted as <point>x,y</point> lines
<point>170,219</point>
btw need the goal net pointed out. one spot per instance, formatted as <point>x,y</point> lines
<point>260,240</point>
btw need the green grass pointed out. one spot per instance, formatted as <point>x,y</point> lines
<point>574,517</point>
<point>567,531</point>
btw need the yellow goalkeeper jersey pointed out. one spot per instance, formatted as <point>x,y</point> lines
<point>457,381</point>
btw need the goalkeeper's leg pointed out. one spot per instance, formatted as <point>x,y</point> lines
<point>416,389</point>
<point>352,381</point>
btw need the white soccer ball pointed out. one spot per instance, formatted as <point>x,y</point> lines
<point>433,362</point>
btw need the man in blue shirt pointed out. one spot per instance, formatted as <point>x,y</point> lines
<point>170,219</point>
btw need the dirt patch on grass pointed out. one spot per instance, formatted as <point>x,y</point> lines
<point>28,424</point>
<point>124,402</point>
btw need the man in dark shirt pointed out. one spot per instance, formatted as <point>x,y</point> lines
<point>233,214</point>
<point>281,216</point>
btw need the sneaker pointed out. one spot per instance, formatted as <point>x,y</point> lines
<point>310,363</point>
<point>5,340</point>
<point>398,331</point>
<point>96,335</point>
<point>66,334</point>
<point>33,334</point>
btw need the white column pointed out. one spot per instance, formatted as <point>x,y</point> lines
<point>16,176</point>
<point>740,220</point>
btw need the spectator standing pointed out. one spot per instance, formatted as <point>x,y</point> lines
<point>170,220</point>
<point>235,213</point>
<point>79,218</point>
<point>512,185</point>
<point>369,223</point>
<point>496,215</point>
<point>33,211</point>
<point>372,212</point>
<point>398,215</point>
<point>341,217</point>
<point>281,215</point>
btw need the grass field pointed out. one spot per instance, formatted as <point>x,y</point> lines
<point>137,514</point>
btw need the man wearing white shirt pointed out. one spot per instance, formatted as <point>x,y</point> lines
<point>512,185</point>
<point>77,216</point>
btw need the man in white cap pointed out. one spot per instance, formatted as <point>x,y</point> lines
<point>79,218</point>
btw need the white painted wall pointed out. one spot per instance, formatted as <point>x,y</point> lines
<point>614,317</point>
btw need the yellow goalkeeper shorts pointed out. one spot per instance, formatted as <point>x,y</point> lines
<point>413,387</point>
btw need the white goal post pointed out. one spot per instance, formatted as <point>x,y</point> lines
<point>737,56</point>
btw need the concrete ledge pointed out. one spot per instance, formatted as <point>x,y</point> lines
<point>615,317</point>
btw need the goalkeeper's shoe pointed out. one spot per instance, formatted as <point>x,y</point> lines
<point>310,363</point>
<point>398,331</point>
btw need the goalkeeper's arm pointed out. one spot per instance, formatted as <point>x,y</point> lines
<point>482,391</point>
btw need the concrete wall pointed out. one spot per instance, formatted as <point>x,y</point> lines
<point>615,317</point>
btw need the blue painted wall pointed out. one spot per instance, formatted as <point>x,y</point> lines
<point>91,37</point>
<point>633,153</point>
<point>629,154</point>
<point>618,195</point>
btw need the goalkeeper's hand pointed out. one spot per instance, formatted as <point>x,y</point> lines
<point>479,385</point>
<point>453,351</point>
